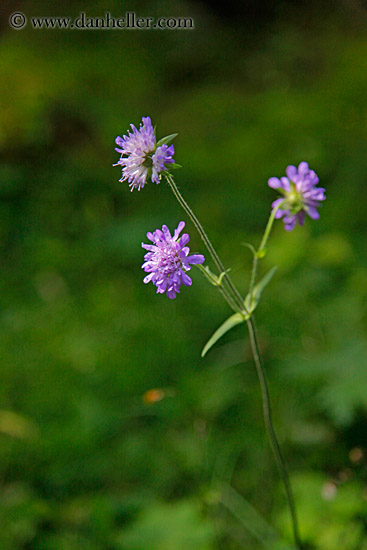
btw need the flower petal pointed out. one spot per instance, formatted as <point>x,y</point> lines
<point>313,212</point>
<point>184,239</point>
<point>186,279</point>
<point>291,171</point>
<point>301,217</point>
<point>171,293</point>
<point>195,259</point>
<point>285,184</point>
<point>274,183</point>
<point>303,168</point>
<point>180,227</point>
<point>290,222</point>
<point>148,278</point>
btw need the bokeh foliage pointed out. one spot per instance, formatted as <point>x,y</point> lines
<point>90,457</point>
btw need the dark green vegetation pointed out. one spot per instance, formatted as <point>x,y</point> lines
<point>85,461</point>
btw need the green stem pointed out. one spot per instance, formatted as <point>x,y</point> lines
<point>225,294</point>
<point>235,301</point>
<point>271,432</point>
<point>253,275</point>
<point>231,287</point>
<point>268,228</point>
<point>260,253</point>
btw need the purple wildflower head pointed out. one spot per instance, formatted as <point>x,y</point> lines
<point>141,158</point>
<point>300,195</point>
<point>168,260</point>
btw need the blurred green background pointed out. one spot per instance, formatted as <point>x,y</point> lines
<point>114,434</point>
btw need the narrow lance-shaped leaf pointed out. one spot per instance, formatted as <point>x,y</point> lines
<point>166,140</point>
<point>212,277</point>
<point>252,300</point>
<point>249,245</point>
<point>229,323</point>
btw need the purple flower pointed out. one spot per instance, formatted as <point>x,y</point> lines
<point>300,195</point>
<point>141,159</point>
<point>168,260</point>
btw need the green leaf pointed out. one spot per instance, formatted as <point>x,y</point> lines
<point>166,140</point>
<point>252,300</point>
<point>205,269</point>
<point>223,274</point>
<point>229,323</point>
<point>249,245</point>
<point>212,277</point>
<point>174,165</point>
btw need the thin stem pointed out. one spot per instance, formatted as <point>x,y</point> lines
<point>260,253</point>
<point>268,228</point>
<point>271,432</point>
<point>224,293</point>
<point>253,275</point>
<point>236,295</point>
<point>235,301</point>
<point>229,300</point>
